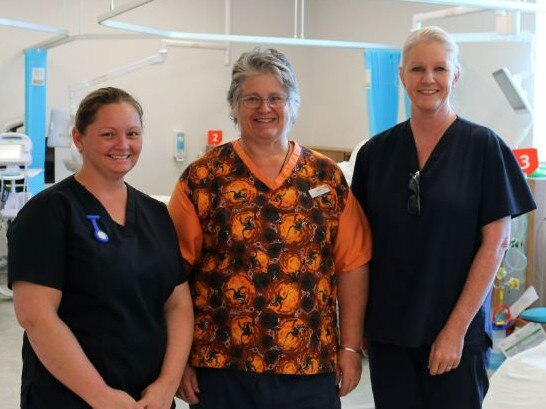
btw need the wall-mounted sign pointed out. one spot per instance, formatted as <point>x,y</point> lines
<point>527,159</point>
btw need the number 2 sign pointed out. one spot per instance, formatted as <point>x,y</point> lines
<point>527,159</point>
<point>214,137</point>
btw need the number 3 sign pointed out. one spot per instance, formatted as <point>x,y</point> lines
<point>527,159</point>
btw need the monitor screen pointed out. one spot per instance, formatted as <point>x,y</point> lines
<point>10,153</point>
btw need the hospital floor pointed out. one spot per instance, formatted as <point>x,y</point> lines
<point>10,366</point>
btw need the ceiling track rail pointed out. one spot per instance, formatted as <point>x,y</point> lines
<point>507,5</point>
<point>107,20</point>
<point>60,33</point>
<point>61,40</point>
<point>32,26</point>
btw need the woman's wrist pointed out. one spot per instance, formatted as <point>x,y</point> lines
<point>356,350</point>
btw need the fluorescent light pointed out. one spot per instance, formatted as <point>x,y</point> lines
<point>178,35</point>
<point>488,37</point>
<point>195,44</point>
<point>64,39</point>
<point>489,4</point>
<point>105,20</point>
<point>31,26</point>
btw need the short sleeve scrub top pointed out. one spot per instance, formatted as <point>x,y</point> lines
<point>421,262</point>
<point>113,285</point>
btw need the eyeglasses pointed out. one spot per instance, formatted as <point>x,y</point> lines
<point>414,199</point>
<point>274,101</point>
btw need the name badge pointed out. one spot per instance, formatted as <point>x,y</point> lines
<point>319,191</point>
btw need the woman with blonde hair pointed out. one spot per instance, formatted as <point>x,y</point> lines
<point>439,192</point>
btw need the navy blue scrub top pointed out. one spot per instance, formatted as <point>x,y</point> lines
<point>421,262</point>
<point>113,293</point>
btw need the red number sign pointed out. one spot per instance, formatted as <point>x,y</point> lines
<point>527,159</point>
<point>214,137</point>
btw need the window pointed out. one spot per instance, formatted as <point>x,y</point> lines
<point>539,128</point>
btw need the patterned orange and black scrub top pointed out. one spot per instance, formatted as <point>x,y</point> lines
<point>265,255</point>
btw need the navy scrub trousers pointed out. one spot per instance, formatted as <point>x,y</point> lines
<point>401,379</point>
<point>234,389</point>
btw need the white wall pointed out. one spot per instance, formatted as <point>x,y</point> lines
<point>188,91</point>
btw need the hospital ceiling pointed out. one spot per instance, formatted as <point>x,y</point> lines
<point>136,30</point>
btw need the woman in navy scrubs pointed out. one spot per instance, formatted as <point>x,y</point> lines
<point>439,192</point>
<point>98,281</point>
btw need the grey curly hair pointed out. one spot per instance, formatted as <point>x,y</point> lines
<point>264,61</point>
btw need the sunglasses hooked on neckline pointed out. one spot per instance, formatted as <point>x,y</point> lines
<point>414,198</point>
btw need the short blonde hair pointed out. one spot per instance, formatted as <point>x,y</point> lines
<point>431,33</point>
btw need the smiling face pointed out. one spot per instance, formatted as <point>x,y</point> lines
<point>264,123</point>
<point>428,74</point>
<point>112,143</point>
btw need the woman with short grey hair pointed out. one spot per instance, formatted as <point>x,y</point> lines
<point>264,61</point>
<point>277,240</point>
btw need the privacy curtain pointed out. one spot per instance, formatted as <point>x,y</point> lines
<point>382,88</point>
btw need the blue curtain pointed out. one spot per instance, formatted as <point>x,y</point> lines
<point>407,104</point>
<point>35,112</point>
<point>382,92</point>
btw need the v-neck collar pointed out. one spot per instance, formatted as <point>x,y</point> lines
<point>94,205</point>
<point>257,172</point>
<point>436,153</point>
